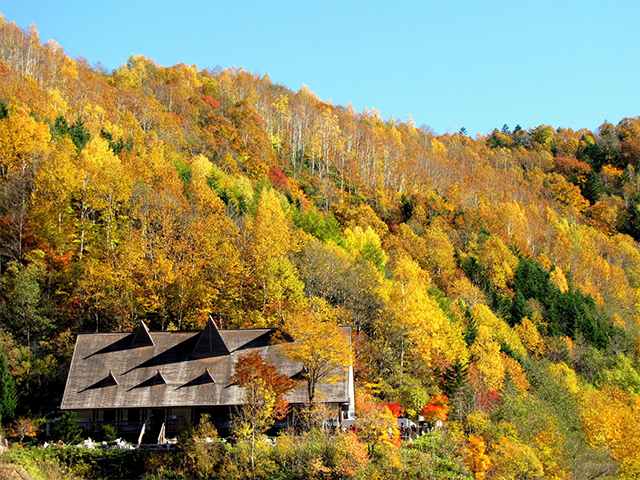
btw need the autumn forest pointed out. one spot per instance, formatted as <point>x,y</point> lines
<point>492,282</point>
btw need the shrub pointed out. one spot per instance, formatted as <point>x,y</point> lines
<point>109,433</point>
<point>68,430</point>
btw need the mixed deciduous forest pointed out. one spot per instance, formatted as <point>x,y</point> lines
<point>492,282</point>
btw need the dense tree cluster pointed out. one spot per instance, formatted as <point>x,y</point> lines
<point>501,271</point>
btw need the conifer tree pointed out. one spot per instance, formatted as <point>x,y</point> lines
<point>593,187</point>
<point>68,430</point>
<point>8,392</point>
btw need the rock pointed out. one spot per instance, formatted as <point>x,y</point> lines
<point>13,472</point>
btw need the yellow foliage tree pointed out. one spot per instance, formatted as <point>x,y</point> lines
<point>441,253</point>
<point>55,182</point>
<point>611,420</point>
<point>269,234</point>
<point>203,195</point>
<point>499,329</point>
<point>320,346</point>
<point>425,333</point>
<point>530,337</point>
<point>21,139</point>
<point>486,354</point>
<point>377,424</point>
<point>102,188</point>
<point>365,242</point>
<point>513,460</point>
<point>269,239</point>
<point>498,261</point>
<point>516,372</point>
<point>558,278</point>
<point>475,456</point>
<point>462,289</point>
<point>566,193</point>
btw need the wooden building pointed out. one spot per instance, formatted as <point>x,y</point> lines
<point>128,380</point>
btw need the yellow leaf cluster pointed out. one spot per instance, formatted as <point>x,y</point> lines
<point>530,337</point>
<point>566,375</point>
<point>324,351</point>
<point>567,193</point>
<point>365,242</point>
<point>517,374</point>
<point>21,139</point>
<point>377,424</point>
<point>559,280</point>
<point>488,360</point>
<point>269,234</point>
<point>475,456</point>
<point>499,329</point>
<point>430,335</point>
<point>498,261</point>
<point>513,460</point>
<point>611,419</point>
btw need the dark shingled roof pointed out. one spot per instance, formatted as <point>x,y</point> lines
<point>170,369</point>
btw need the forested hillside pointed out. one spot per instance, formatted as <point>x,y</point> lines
<point>492,281</point>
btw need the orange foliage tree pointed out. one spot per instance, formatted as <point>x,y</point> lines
<point>377,424</point>
<point>436,410</point>
<point>251,368</point>
<point>264,399</point>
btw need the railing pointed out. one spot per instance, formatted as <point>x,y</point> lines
<point>128,428</point>
<point>121,427</point>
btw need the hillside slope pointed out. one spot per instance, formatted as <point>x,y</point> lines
<point>497,277</point>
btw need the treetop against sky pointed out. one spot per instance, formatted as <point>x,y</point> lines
<point>454,64</point>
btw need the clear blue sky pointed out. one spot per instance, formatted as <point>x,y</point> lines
<point>477,64</point>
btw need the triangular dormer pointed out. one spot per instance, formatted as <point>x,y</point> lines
<point>142,337</point>
<point>206,378</point>
<point>301,375</point>
<point>110,380</point>
<point>157,379</point>
<point>210,342</point>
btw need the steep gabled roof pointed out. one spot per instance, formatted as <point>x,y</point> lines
<point>168,373</point>
<point>110,380</point>
<point>141,337</point>
<point>206,377</point>
<point>210,342</point>
<point>157,379</point>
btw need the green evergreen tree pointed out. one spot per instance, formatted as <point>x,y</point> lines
<point>60,127</point>
<point>408,205</point>
<point>470,328</point>
<point>630,218</point>
<point>593,155</point>
<point>68,430</point>
<point>593,188</point>
<point>116,146</point>
<point>4,111</point>
<point>533,281</point>
<point>455,378</point>
<point>519,308</point>
<point>8,391</point>
<point>78,133</point>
